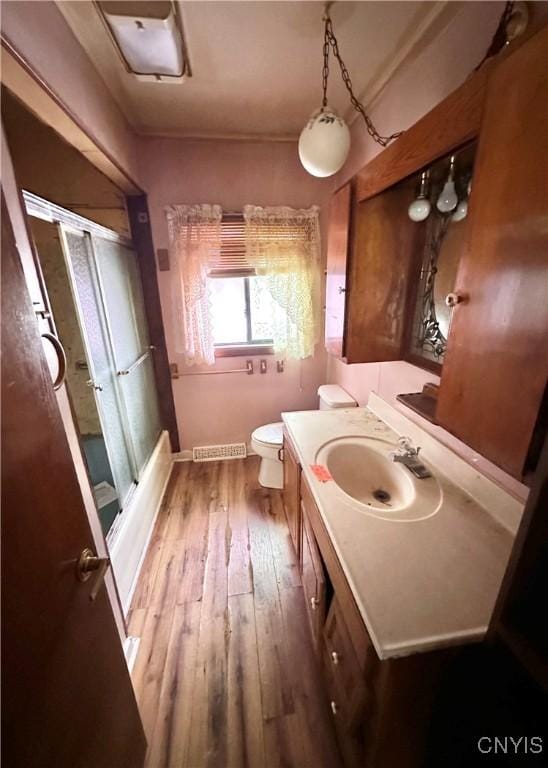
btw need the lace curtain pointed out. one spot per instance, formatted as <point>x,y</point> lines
<point>194,244</point>
<point>283,244</point>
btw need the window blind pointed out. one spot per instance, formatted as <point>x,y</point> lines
<point>232,260</point>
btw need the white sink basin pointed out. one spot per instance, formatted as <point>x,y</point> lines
<point>362,470</point>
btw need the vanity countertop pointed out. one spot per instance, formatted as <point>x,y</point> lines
<point>422,584</point>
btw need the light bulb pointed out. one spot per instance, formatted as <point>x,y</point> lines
<point>324,143</point>
<point>420,208</point>
<point>447,200</point>
<point>461,211</point>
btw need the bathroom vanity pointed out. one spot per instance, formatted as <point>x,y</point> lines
<point>462,292</point>
<point>397,571</point>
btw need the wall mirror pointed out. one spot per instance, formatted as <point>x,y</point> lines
<point>441,207</point>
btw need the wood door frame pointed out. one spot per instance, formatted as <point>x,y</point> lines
<point>30,88</point>
<point>141,234</point>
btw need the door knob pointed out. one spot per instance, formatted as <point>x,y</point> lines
<point>89,563</point>
<point>454,298</point>
<point>314,602</point>
<point>341,289</point>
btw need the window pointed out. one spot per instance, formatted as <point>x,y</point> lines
<point>240,285</point>
<point>242,307</point>
<point>243,310</point>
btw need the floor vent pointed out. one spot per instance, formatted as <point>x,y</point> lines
<point>217,452</point>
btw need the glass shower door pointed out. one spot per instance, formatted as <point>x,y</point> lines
<point>80,262</point>
<point>120,285</point>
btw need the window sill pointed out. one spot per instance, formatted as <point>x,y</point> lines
<point>244,350</point>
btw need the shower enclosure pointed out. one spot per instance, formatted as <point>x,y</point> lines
<point>103,273</point>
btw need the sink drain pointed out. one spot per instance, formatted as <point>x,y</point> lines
<point>381,495</point>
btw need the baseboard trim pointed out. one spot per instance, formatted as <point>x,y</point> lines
<point>130,546</point>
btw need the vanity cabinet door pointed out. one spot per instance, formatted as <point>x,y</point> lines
<point>291,493</point>
<point>496,366</point>
<point>338,238</point>
<point>313,580</point>
<point>350,700</point>
<point>384,264</point>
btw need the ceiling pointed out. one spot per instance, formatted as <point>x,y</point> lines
<point>256,66</point>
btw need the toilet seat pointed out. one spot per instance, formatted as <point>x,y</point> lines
<point>270,435</point>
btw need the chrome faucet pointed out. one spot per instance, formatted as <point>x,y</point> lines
<point>407,455</point>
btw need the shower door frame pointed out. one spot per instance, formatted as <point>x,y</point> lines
<point>67,221</point>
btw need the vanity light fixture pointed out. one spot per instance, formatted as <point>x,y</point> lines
<point>324,142</point>
<point>151,46</point>
<point>461,211</point>
<point>447,200</point>
<point>420,208</point>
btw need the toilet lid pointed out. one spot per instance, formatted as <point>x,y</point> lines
<point>271,434</point>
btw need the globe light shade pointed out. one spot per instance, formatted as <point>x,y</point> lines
<point>419,210</point>
<point>324,143</point>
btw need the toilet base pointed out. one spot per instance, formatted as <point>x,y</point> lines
<point>271,473</point>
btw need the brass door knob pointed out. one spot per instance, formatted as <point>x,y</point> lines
<point>89,563</point>
<point>454,298</point>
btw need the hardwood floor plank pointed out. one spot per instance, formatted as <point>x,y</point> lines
<point>240,579</point>
<point>142,597</point>
<point>165,589</point>
<point>149,666</point>
<point>174,486</point>
<point>169,745</point>
<point>245,726</point>
<point>215,590</point>
<point>285,557</point>
<point>277,697</point>
<point>284,744</point>
<point>208,736</point>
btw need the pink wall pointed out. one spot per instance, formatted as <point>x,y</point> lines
<point>226,408</point>
<point>438,69</point>
<point>44,40</point>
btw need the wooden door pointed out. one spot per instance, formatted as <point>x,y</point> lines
<point>338,238</point>
<point>496,366</point>
<point>67,698</point>
<point>292,498</point>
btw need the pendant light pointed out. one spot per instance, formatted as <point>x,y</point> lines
<point>447,200</point>
<point>324,142</point>
<point>420,208</point>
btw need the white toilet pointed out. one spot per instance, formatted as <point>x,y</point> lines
<point>267,440</point>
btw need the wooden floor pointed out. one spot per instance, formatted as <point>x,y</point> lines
<point>226,673</point>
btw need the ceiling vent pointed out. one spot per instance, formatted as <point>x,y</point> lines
<point>148,37</point>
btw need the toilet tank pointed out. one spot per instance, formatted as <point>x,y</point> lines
<point>333,396</point>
